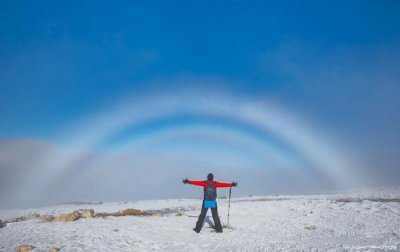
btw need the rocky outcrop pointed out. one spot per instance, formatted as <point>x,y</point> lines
<point>46,218</point>
<point>18,219</point>
<point>181,214</point>
<point>2,224</point>
<point>83,214</point>
<point>75,215</point>
<point>125,212</point>
<point>33,216</point>
<point>87,213</point>
<point>102,215</point>
<point>25,248</point>
<point>53,249</point>
<point>132,212</point>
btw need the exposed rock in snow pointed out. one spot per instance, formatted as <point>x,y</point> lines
<point>46,218</point>
<point>25,248</point>
<point>125,212</point>
<point>18,219</point>
<point>75,215</point>
<point>53,249</point>
<point>131,212</point>
<point>2,224</point>
<point>181,214</point>
<point>33,216</point>
<point>102,215</point>
<point>87,213</point>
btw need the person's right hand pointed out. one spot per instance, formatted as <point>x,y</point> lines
<point>185,181</point>
<point>234,184</point>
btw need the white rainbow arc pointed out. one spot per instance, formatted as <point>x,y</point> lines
<point>261,116</point>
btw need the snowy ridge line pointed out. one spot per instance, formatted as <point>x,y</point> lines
<point>360,200</point>
<point>343,200</point>
<point>262,199</point>
<point>385,194</point>
<point>79,203</point>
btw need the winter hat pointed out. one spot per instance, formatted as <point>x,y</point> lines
<point>210,176</point>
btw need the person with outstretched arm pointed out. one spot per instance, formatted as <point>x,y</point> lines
<point>209,201</point>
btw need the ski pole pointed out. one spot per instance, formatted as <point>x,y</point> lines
<point>229,205</point>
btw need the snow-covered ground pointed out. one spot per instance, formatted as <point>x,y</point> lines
<point>357,221</point>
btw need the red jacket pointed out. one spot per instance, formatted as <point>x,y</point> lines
<point>203,183</point>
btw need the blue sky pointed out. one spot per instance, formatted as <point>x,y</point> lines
<point>61,59</point>
<point>334,64</point>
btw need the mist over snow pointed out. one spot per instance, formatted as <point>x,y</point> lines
<point>141,148</point>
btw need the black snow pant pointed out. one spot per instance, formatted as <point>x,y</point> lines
<point>215,216</point>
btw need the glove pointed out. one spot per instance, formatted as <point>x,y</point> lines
<point>185,181</point>
<point>234,184</point>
